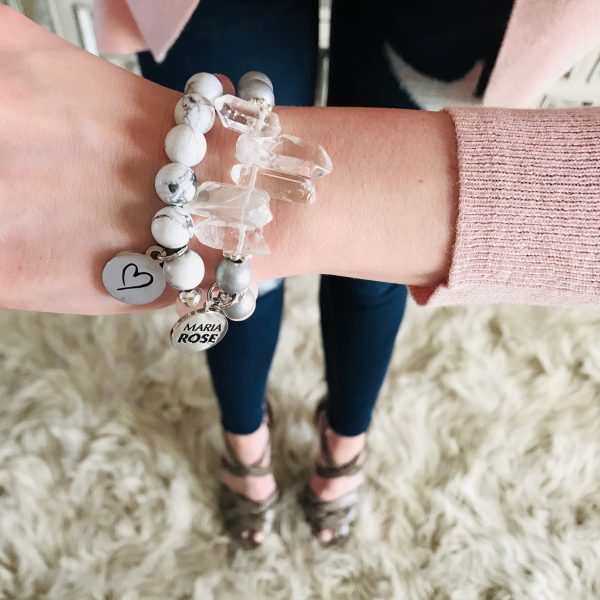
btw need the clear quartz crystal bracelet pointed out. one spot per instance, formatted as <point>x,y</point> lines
<point>271,166</point>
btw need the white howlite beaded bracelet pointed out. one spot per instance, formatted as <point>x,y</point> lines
<point>271,166</point>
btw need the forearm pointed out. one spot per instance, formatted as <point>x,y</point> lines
<point>81,148</point>
<point>387,210</point>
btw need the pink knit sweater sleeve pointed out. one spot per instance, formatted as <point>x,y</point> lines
<point>528,227</point>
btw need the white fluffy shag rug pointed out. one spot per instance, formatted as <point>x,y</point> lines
<point>483,480</point>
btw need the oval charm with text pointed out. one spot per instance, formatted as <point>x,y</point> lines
<point>198,330</point>
<point>133,278</point>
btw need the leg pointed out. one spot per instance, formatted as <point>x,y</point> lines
<point>240,364</point>
<point>359,319</point>
<point>231,38</point>
<point>359,322</point>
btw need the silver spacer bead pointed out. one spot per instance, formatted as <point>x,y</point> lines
<point>191,298</point>
<point>239,258</point>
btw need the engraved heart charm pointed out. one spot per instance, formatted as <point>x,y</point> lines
<point>133,278</point>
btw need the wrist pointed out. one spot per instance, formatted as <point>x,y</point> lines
<point>285,233</point>
<point>136,148</point>
<point>233,215</point>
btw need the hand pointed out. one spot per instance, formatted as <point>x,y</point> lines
<point>81,139</point>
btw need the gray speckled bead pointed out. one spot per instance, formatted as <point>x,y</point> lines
<point>255,89</point>
<point>185,146</point>
<point>176,184</point>
<point>194,111</point>
<point>254,75</point>
<point>172,227</point>
<point>233,277</point>
<point>185,272</point>
<point>243,309</point>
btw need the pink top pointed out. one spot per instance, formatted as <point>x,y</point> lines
<point>528,226</point>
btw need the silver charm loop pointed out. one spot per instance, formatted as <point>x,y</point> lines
<point>161,255</point>
<point>228,300</point>
<point>217,299</point>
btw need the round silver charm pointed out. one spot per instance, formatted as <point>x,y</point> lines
<point>133,278</point>
<point>198,330</point>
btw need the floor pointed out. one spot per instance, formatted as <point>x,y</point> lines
<point>482,480</point>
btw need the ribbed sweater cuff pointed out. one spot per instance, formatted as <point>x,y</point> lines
<point>528,227</point>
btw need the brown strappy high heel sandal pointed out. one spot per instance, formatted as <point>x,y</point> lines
<point>339,514</point>
<point>241,514</point>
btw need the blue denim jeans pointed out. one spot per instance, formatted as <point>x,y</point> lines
<point>359,319</point>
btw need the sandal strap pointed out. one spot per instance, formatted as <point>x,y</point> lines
<point>329,514</point>
<point>232,464</point>
<point>332,469</point>
<point>340,513</point>
<point>352,467</point>
<point>237,506</point>
<point>240,513</point>
<point>241,470</point>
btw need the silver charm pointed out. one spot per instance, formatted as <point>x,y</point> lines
<point>133,278</point>
<point>198,330</point>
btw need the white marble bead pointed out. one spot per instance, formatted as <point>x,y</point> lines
<point>205,84</point>
<point>193,110</point>
<point>185,272</point>
<point>176,184</point>
<point>172,227</point>
<point>254,75</point>
<point>185,146</point>
<point>255,89</point>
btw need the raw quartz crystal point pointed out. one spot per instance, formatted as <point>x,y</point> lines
<point>232,204</point>
<point>285,153</point>
<point>285,166</point>
<point>235,217</point>
<point>279,185</point>
<point>247,117</point>
<point>232,240</point>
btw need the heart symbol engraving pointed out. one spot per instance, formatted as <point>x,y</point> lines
<point>129,280</point>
